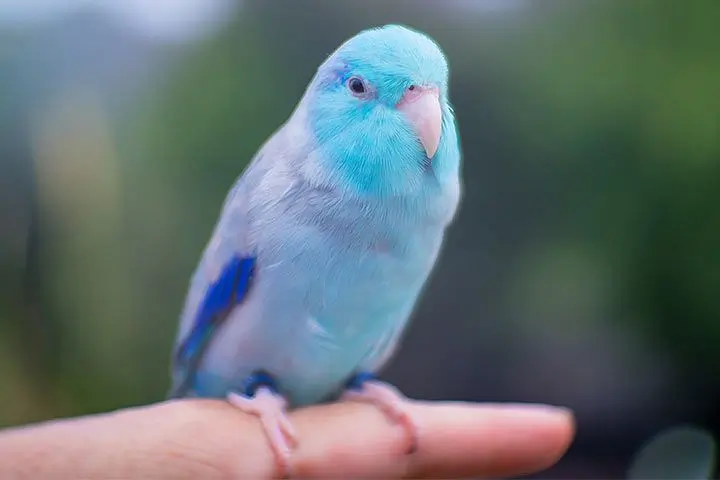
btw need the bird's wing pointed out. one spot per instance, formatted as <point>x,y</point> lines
<point>220,283</point>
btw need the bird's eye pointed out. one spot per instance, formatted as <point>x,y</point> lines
<point>412,88</point>
<point>356,86</point>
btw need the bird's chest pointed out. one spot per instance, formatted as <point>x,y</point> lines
<point>336,289</point>
<point>354,270</point>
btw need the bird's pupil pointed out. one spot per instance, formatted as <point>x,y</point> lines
<point>411,88</point>
<point>356,85</point>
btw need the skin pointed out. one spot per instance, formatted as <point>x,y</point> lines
<point>206,438</point>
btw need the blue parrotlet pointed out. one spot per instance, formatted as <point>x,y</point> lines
<point>326,241</point>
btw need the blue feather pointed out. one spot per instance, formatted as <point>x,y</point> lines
<point>227,291</point>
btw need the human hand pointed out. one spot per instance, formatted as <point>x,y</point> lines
<point>201,438</point>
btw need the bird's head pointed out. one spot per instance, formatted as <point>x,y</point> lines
<point>379,112</point>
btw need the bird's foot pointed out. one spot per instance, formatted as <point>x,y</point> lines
<point>270,407</point>
<point>364,387</point>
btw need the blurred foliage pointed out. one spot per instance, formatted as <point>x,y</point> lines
<point>583,268</point>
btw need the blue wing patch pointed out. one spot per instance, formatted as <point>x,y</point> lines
<point>227,291</point>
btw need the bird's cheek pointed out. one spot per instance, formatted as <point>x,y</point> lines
<point>422,109</point>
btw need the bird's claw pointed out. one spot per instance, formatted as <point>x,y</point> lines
<point>391,402</point>
<point>270,408</point>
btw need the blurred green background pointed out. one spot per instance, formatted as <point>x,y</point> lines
<point>583,269</point>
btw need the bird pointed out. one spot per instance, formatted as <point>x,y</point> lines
<point>326,241</point>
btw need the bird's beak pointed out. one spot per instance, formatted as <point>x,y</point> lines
<point>422,108</point>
